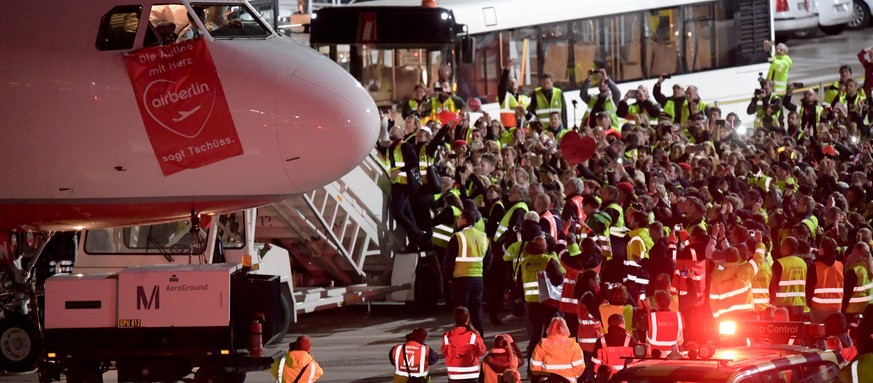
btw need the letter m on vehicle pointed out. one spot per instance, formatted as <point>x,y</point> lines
<point>146,301</point>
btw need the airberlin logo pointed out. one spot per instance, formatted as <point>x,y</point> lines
<point>171,97</point>
<point>182,110</point>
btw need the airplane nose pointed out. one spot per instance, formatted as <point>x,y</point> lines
<point>327,122</point>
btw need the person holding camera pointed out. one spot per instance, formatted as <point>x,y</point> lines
<point>297,366</point>
<point>443,100</point>
<point>809,111</point>
<point>645,107</point>
<point>761,102</point>
<point>606,101</point>
<point>669,103</point>
<point>413,358</point>
<point>855,101</point>
<point>780,64</point>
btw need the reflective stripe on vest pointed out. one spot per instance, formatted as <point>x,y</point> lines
<point>546,107</point>
<point>791,290</point>
<point>671,331</point>
<point>397,156</point>
<point>553,227</point>
<point>416,366</point>
<point>828,291</point>
<point>861,294</point>
<point>504,223</point>
<point>472,245</point>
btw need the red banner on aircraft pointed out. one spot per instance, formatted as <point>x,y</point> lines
<point>182,105</point>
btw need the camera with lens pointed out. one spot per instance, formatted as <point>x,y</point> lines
<point>797,84</point>
<point>592,71</point>
<point>759,92</point>
<point>668,76</point>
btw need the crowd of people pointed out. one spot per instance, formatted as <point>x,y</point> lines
<point>653,221</point>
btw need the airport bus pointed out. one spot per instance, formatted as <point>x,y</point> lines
<point>392,45</point>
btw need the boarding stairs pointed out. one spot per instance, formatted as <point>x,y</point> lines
<point>340,238</point>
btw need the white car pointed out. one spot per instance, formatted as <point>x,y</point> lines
<point>861,18</point>
<point>835,15</point>
<point>794,15</point>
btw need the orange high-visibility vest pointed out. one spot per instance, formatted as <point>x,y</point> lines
<point>416,359</point>
<point>828,292</point>
<point>665,329</point>
<point>553,227</point>
<point>558,355</point>
<point>580,215</point>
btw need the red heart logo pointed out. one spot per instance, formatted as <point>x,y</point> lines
<point>577,149</point>
<point>181,107</point>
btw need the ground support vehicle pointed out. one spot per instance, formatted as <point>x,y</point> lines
<point>156,323</point>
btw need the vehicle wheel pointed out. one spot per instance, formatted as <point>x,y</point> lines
<point>833,29</point>
<point>211,374</point>
<point>286,317</point>
<point>20,344</point>
<point>862,15</point>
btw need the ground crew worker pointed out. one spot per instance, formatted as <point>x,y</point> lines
<point>730,290</point>
<point>547,99</point>
<point>617,302</point>
<point>824,287</point>
<point>780,64</point>
<point>535,260</point>
<point>809,111</point>
<point>590,329</point>
<point>637,280</point>
<point>462,348</point>
<point>673,103</point>
<point>833,92</point>
<point>403,160</point>
<point>612,346</point>
<point>665,326</point>
<point>861,368</point>
<point>558,353</point>
<point>606,101</point>
<point>550,223</point>
<point>609,195</point>
<point>693,105</point>
<point>518,196</point>
<point>297,365</point>
<point>787,289</point>
<point>504,356</point>
<point>413,105</point>
<point>857,285</point>
<point>412,358</point>
<point>761,101</point>
<point>645,108</point>
<point>573,212</point>
<point>571,261</point>
<point>468,256</point>
<point>444,100</point>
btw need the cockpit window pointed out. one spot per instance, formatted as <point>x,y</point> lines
<point>118,28</point>
<point>232,21</point>
<point>167,23</point>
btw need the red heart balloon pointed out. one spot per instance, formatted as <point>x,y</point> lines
<point>577,149</point>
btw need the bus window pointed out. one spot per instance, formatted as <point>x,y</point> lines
<point>556,54</point>
<point>585,48</point>
<point>662,46</point>
<point>622,47</point>
<point>699,39</point>
<point>481,77</point>
<point>523,47</point>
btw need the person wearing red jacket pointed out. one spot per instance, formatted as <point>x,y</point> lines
<point>462,348</point>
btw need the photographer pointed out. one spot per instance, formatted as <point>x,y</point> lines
<point>645,107</point>
<point>809,110</point>
<point>760,104</point>
<point>605,101</point>
<point>669,103</point>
